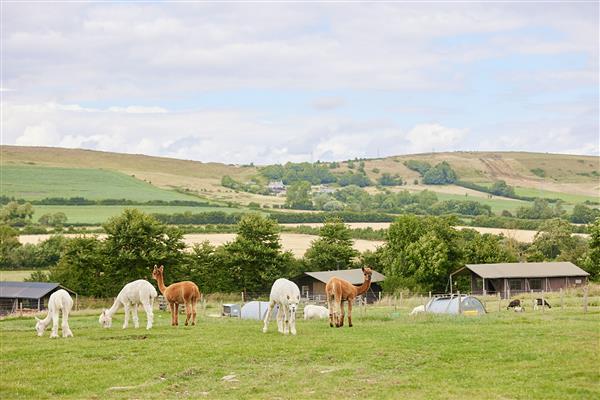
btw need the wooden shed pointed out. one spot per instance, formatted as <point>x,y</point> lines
<point>15,296</point>
<point>312,284</point>
<point>513,278</point>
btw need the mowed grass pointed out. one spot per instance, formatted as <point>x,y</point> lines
<point>503,355</point>
<point>37,182</point>
<point>496,203</point>
<point>100,214</point>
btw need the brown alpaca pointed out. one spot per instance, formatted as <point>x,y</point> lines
<point>339,290</point>
<point>185,292</point>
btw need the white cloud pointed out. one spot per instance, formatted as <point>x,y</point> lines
<point>434,137</point>
<point>43,134</point>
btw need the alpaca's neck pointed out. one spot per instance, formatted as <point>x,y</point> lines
<point>363,288</point>
<point>112,310</point>
<point>161,283</point>
<point>46,321</point>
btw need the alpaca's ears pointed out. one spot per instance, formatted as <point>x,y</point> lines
<point>363,268</point>
<point>161,268</point>
<point>288,296</point>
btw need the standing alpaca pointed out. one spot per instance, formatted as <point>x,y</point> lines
<point>185,292</point>
<point>133,294</point>
<point>339,290</point>
<point>287,295</point>
<point>59,300</point>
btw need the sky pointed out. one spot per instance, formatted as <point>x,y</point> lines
<point>272,82</point>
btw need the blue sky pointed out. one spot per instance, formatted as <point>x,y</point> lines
<point>267,82</point>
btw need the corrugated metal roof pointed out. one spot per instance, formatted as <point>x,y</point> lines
<point>354,276</point>
<point>526,270</point>
<point>26,290</point>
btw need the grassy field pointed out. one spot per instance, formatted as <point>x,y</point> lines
<point>100,214</point>
<point>387,354</point>
<point>571,198</point>
<point>36,182</point>
<point>16,276</point>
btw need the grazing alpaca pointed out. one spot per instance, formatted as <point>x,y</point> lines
<point>185,292</point>
<point>59,300</point>
<point>315,312</point>
<point>418,310</point>
<point>339,290</point>
<point>133,294</point>
<point>287,295</point>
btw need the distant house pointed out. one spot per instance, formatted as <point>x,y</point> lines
<point>276,187</point>
<point>312,284</point>
<point>15,296</point>
<point>323,189</point>
<point>512,278</point>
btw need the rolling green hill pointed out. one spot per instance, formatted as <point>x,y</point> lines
<point>37,172</point>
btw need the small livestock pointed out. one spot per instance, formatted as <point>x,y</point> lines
<point>541,302</point>
<point>131,296</point>
<point>339,290</point>
<point>59,301</point>
<point>514,303</point>
<point>286,294</point>
<point>315,312</point>
<point>418,310</point>
<point>185,292</point>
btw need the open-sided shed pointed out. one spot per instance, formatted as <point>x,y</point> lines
<point>16,296</point>
<point>312,284</point>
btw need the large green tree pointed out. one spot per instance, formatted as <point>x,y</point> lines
<point>135,243</point>
<point>333,249</point>
<point>298,196</point>
<point>255,258</point>
<point>592,260</point>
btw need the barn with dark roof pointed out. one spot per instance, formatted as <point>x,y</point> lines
<point>16,296</point>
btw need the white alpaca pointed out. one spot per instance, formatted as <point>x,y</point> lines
<point>287,295</point>
<point>418,310</point>
<point>59,300</point>
<point>315,312</point>
<point>133,294</point>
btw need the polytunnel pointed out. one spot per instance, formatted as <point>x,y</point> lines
<point>469,305</point>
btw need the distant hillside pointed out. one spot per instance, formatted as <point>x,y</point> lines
<point>532,173</point>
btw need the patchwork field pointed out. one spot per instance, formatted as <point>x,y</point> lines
<point>386,355</point>
<point>36,182</point>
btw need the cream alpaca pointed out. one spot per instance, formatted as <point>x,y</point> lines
<point>286,295</point>
<point>131,296</point>
<point>59,300</point>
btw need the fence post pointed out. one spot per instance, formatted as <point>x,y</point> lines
<point>499,301</point>
<point>543,303</point>
<point>401,299</point>
<point>259,310</point>
<point>242,297</point>
<point>459,305</point>
<point>534,303</point>
<point>585,299</point>
<point>379,297</point>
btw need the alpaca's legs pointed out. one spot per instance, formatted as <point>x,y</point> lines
<point>268,316</point>
<point>342,315</point>
<point>350,312</point>
<point>54,333</point>
<point>66,331</point>
<point>172,308</point>
<point>280,315</point>
<point>330,304</point>
<point>149,315</point>
<point>188,312</point>
<point>176,314</point>
<point>286,320</point>
<point>127,307</point>
<point>136,321</point>
<point>194,312</point>
<point>292,324</point>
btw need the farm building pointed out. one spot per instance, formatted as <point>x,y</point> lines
<point>513,278</point>
<point>312,284</point>
<point>15,296</point>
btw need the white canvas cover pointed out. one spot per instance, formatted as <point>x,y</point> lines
<point>449,305</point>
<point>257,310</point>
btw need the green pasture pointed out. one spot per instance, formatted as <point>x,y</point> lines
<point>566,197</point>
<point>386,355</point>
<point>496,203</point>
<point>16,276</point>
<point>35,183</point>
<point>99,214</point>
